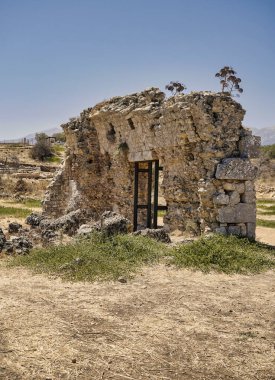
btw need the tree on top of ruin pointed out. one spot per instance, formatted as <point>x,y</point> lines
<point>229,81</point>
<point>175,87</point>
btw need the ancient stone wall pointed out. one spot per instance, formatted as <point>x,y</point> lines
<point>208,179</point>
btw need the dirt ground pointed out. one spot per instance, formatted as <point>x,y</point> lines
<point>266,235</point>
<point>164,324</point>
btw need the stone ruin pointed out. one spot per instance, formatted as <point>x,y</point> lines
<point>115,152</point>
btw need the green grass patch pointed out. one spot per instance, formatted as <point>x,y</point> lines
<point>58,149</point>
<point>268,151</point>
<point>161,213</point>
<point>224,254</point>
<point>29,202</point>
<point>266,212</point>
<point>266,209</point>
<point>15,212</point>
<point>53,159</point>
<point>266,223</point>
<point>32,203</point>
<point>265,201</point>
<point>96,258</point>
<point>101,258</point>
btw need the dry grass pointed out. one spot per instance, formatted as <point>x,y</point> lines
<point>164,324</point>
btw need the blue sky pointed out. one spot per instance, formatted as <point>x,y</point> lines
<point>61,56</point>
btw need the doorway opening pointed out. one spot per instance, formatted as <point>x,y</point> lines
<point>146,195</point>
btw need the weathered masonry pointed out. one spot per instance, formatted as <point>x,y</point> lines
<point>115,151</point>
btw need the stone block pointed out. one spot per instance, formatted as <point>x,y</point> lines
<point>240,188</point>
<point>251,230</point>
<point>221,230</point>
<point>234,230</point>
<point>146,155</point>
<point>249,186</point>
<point>234,198</point>
<point>241,213</point>
<point>249,146</point>
<point>249,197</point>
<point>221,199</point>
<point>228,186</point>
<point>243,229</point>
<point>236,168</point>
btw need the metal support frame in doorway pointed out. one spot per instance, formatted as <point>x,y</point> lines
<point>152,170</point>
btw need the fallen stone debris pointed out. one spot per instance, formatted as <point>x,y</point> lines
<point>34,219</point>
<point>20,245</point>
<point>14,227</point>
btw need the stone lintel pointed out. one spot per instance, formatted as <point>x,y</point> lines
<point>146,155</point>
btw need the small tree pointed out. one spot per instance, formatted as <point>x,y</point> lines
<point>41,136</point>
<point>175,87</point>
<point>60,136</point>
<point>229,81</point>
<point>42,148</point>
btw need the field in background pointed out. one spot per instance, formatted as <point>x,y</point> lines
<point>21,176</point>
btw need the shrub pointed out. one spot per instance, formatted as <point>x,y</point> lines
<point>42,148</point>
<point>268,151</point>
<point>60,136</point>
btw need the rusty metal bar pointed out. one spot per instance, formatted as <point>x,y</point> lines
<point>149,195</point>
<point>135,221</point>
<point>156,195</point>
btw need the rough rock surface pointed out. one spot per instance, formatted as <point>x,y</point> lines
<point>110,223</point>
<point>236,168</point>
<point>2,239</point>
<point>34,219</point>
<point>241,213</point>
<point>14,227</point>
<point>68,223</point>
<point>20,245</point>
<point>113,223</point>
<point>84,229</point>
<point>198,139</point>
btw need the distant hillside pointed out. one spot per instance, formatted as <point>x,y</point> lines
<point>267,135</point>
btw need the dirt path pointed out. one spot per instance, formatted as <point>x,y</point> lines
<point>266,235</point>
<point>164,324</point>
